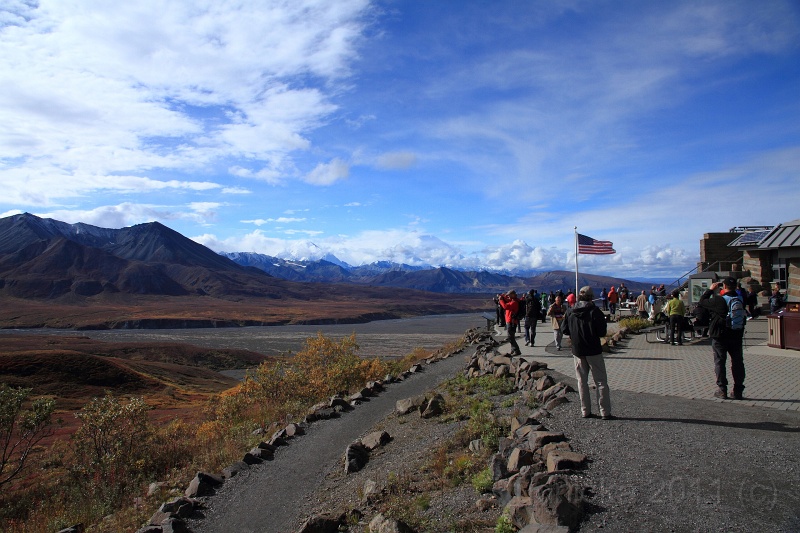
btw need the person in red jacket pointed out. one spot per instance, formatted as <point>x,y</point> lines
<point>613,298</point>
<point>510,303</point>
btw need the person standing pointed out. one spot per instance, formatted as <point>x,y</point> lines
<point>604,298</point>
<point>556,314</point>
<point>571,299</point>
<point>533,307</point>
<point>613,298</point>
<point>545,305</point>
<point>623,292</point>
<point>726,329</point>
<point>510,304</point>
<point>586,325</point>
<point>776,300</point>
<point>642,304</point>
<point>752,303</point>
<point>675,310</point>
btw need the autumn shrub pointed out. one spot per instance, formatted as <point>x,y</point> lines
<point>21,429</point>
<point>634,323</point>
<point>112,446</point>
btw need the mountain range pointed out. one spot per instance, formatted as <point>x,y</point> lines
<point>47,259</point>
<point>432,279</point>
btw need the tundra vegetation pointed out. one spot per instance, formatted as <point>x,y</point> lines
<point>99,475</point>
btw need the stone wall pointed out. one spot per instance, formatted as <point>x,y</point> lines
<point>793,281</point>
<point>760,268</point>
<point>714,248</point>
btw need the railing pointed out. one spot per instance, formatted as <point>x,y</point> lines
<point>681,284</point>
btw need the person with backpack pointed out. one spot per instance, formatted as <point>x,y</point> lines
<point>726,329</point>
<point>586,326</point>
<point>533,307</point>
<point>511,305</point>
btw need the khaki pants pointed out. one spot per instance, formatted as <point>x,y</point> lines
<point>597,365</point>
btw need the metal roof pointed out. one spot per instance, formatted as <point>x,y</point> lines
<point>782,236</point>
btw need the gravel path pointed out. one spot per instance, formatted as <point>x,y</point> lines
<point>666,464</point>
<point>674,464</point>
<point>269,497</point>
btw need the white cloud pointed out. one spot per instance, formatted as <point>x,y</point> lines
<point>397,160</point>
<point>328,173</point>
<point>279,220</point>
<point>91,90</point>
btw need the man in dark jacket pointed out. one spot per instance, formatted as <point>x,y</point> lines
<point>724,339</point>
<point>586,325</point>
<point>533,308</point>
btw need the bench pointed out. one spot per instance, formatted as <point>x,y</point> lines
<point>662,334</point>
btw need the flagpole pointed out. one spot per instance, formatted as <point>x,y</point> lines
<point>576,261</point>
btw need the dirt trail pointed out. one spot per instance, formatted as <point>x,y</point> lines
<point>267,498</point>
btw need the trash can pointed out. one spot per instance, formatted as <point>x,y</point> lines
<point>774,331</point>
<point>790,326</point>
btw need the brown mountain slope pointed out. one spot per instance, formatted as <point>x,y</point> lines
<point>76,369</point>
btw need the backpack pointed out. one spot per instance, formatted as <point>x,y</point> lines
<point>520,314</point>
<point>736,314</point>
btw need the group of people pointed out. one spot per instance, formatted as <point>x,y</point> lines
<point>724,305</point>
<point>582,321</point>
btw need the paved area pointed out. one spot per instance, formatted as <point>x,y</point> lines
<point>773,375</point>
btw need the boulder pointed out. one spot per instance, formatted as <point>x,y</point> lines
<point>356,457</point>
<point>519,511</point>
<point>234,469</point>
<point>564,460</point>
<point>497,464</point>
<point>543,383</point>
<point>370,491</point>
<point>519,457</point>
<point>324,523</point>
<point>558,502</point>
<point>340,404</point>
<point>555,402</point>
<point>251,459</point>
<point>174,525</point>
<point>540,438</point>
<point>382,524</point>
<point>262,454</point>
<point>376,439</point>
<point>434,407</point>
<point>407,405</point>
<point>293,430</point>
<point>203,484</point>
<point>180,507</point>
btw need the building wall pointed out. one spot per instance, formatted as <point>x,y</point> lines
<point>714,248</point>
<point>760,267</point>
<point>793,281</point>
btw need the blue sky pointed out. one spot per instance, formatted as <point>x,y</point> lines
<point>459,133</point>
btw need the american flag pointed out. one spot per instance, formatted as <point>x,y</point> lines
<point>587,245</point>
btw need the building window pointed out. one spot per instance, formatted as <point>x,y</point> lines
<point>779,273</point>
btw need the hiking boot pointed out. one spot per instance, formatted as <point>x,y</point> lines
<point>608,417</point>
<point>721,393</point>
